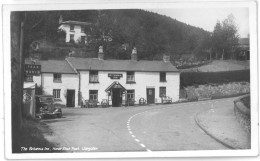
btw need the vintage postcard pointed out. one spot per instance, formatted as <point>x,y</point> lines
<point>130,80</point>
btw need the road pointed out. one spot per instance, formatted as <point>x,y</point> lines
<point>168,127</point>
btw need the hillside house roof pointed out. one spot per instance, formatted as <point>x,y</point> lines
<point>76,23</point>
<point>54,66</point>
<point>244,43</point>
<point>121,65</point>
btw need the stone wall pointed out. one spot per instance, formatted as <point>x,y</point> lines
<point>242,113</point>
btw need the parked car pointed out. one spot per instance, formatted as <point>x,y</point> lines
<point>45,107</point>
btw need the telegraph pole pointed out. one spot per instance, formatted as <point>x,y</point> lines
<point>16,76</point>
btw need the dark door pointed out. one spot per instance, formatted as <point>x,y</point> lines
<point>150,92</point>
<point>116,97</point>
<point>70,98</point>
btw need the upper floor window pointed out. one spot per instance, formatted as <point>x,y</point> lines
<point>71,27</point>
<point>93,95</point>
<point>56,93</point>
<point>93,76</point>
<point>162,91</point>
<point>130,77</point>
<point>82,29</point>
<point>56,77</point>
<point>162,76</point>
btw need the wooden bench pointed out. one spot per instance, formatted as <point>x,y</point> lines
<point>130,102</point>
<point>90,103</point>
<point>166,99</point>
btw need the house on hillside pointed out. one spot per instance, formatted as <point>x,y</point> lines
<point>116,81</point>
<point>244,47</point>
<point>75,31</point>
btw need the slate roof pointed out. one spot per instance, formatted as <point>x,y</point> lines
<point>76,23</point>
<point>121,65</point>
<point>54,66</point>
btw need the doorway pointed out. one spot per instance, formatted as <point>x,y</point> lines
<point>116,97</point>
<point>150,93</point>
<point>70,98</point>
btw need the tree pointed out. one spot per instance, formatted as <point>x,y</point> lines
<point>225,37</point>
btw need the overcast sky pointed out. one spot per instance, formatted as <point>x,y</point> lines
<point>206,18</point>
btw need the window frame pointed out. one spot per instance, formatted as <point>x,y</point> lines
<point>130,74</point>
<point>161,89</point>
<point>83,42</point>
<point>56,93</point>
<point>93,95</point>
<point>56,79</point>
<point>130,92</point>
<point>72,27</point>
<point>93,74</point>
<point>82,29</point>
<point>28,78</point>
<point>163,77</point>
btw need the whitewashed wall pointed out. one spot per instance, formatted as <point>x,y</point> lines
<point>37,80</point>
<point>68,81</point>
<point>77,32</point>
<point>143,80</point>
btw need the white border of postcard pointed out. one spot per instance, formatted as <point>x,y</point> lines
<point>62,5</point>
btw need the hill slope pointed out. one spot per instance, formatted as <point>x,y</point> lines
<point>152,34</point>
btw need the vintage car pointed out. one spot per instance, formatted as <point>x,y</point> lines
<point>45,107</point>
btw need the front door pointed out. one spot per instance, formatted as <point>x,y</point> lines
<point>150,92</point>
<point>116,97</point>
<point>70,98</point>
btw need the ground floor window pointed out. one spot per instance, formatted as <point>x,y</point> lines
<point>56,93</point>
<point>28,78</point>
<point>162,91</point>
<point>93,95</point>
<point>130,94</point>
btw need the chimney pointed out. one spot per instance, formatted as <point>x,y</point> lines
<point>100,53</point>
<point>134,54</point>
<point>60,19</point>
<point>166,58</point>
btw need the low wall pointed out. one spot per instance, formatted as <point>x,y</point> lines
<point>211,91</point>
<point>242,113</point>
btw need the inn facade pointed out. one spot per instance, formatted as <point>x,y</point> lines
<point>116,81</point>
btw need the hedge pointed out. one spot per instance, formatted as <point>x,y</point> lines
<point>199,78</point>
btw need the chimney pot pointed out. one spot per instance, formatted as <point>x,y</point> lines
<point>100,53</point>
<point>134,54</point>
<point>166,58</point>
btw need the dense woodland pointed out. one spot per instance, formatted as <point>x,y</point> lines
<point>119,31</point>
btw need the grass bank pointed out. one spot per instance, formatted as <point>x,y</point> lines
<point>31,138</point>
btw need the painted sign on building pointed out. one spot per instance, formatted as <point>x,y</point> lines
<point>31,69</point>
<point>115,75</point>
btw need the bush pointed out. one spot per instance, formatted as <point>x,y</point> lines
<point>200,78</point>
<point>220,91</point>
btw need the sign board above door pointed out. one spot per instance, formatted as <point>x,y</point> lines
<point>115,75</point>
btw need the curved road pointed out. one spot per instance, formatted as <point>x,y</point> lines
<point>143,128</point>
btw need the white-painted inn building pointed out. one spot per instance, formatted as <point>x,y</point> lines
<point>76,79</point>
